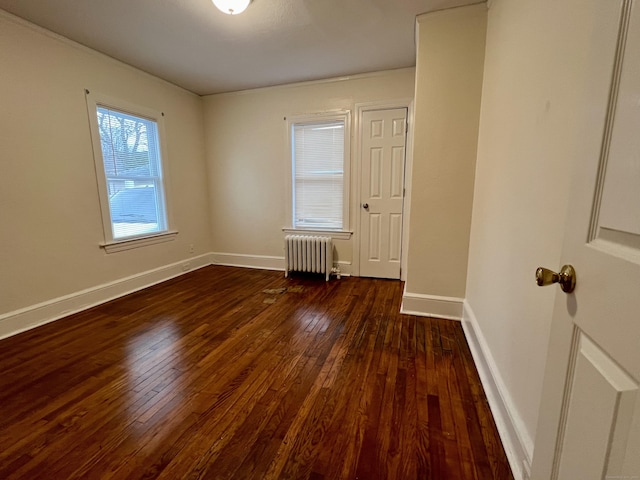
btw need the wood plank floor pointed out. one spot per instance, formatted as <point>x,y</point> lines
<point>208,376</point>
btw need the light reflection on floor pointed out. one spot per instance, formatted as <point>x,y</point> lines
<point>155,363</point>
<point>308,317</point>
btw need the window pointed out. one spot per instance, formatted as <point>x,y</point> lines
<point>128,156</point>
<point>320,172</point>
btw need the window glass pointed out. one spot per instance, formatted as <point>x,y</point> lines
<point>133,173</point>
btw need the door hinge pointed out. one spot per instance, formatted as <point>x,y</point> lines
<point>406,127</point>
<point>404,191</point>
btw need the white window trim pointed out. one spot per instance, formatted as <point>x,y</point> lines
<point>135,242</point>
<point>335,234</point>
<point>110,244</point>
<point>344,115</point>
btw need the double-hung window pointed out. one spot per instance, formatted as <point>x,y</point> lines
<point>320,172</point>
<point>128,157</point>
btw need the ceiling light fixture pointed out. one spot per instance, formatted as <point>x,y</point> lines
<point>232,7</point>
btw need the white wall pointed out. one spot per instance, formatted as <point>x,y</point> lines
<point>449,68</point>
<point>248,158</point>
<point>523,179</point>
<point>49,207</point>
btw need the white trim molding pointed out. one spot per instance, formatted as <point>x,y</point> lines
<point>334,234</point>
<point>517,443</point>
<point>128,244</point>
<point>346,270</point>
<point>21,320</point>
<point>158,175</point>
<point>434,306</point>
<point>263,262</point>
<point>344,78</point>
<point>33,316</point>
<point>106,58</point>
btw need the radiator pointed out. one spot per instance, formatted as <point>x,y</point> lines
<point>303,253</point>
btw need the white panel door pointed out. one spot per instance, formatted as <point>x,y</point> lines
<point>382,191</point>
<point>589,425</point>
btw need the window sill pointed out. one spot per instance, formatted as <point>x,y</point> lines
<point>128,244</point>
<point>335,234</point>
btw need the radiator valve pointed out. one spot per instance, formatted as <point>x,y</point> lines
<point>336,271</point>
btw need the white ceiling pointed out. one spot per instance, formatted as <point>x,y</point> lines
<point>191,44</point>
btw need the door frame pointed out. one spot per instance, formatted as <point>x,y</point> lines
<point>356,212</point>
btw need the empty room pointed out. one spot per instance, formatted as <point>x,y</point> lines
<point>320,239</point>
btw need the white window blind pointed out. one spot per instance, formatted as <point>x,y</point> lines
<point>318,175</point>
<point>133,173</point>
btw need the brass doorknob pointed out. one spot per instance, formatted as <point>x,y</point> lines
<point>566,278</point>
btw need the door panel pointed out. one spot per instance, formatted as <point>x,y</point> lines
<point>395,236</point>
<point>382,189</point>
<point>599,385</point>
<point>375,175</point>
<point>622,179</point>
<point>397,172</point>
<point>589,423</point>
<point>375,225</point>
<point>399,127</point>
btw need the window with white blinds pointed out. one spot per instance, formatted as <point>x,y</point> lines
<point>128,157</point>
<point>319,184</point>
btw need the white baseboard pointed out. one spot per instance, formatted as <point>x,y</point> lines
<point>262,262</point>
<point>24,319</point>
<point>516,441</point>
<point>431,306</point>
<point>345,269</point>
<point>33,316</point>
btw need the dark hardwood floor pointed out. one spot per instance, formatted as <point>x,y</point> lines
<point>208,376</point>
